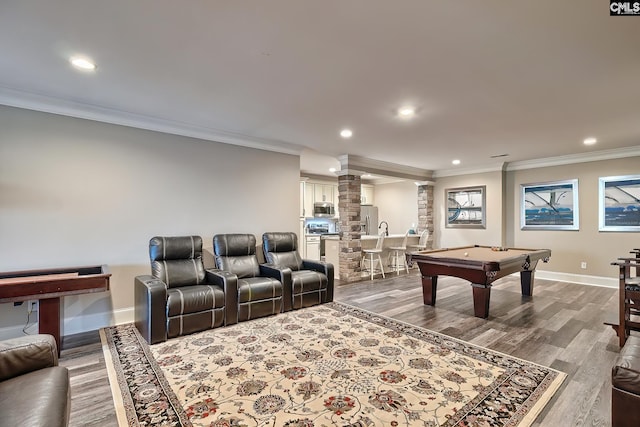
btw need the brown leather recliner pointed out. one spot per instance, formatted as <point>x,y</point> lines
<point>625,381</point>
<point>35,390</point>
<point>180,297</point>
<point>260,293</point>
<point>306,282</point>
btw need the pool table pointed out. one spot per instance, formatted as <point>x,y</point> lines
<point>481,265</point>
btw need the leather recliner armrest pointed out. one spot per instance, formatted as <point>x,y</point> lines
<point>284,276</point>
<point>322,267</point>
<point>150,306</point>
<point>27,354</point>
<point>229,284</point>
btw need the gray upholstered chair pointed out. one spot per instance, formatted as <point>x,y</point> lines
<point>180,297</point>
<point>34,390</point>
<point>260,292</point>
<point>306,282</point>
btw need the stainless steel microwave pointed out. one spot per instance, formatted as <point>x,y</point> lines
<point>324,210</point>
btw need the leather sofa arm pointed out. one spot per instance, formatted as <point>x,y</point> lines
<point>322,267</point>
<point>283,275</point>
<point>229,284</point>
<point>27,354</point>
<point>150,306</point>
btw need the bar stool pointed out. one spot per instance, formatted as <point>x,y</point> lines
<point>422,243</point>
<point>397,252</point>
<point>370,255</point>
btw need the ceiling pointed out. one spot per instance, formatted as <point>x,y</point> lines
<point>527,79</point>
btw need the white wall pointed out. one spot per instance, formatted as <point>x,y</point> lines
<point>569,248</point>
<point>398,205</point>
<point>492,235</point>
<point>76,192</point>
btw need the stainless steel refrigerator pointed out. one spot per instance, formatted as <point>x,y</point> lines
<point>369,220</point>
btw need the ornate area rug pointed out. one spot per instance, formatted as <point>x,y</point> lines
<point>322,366</point>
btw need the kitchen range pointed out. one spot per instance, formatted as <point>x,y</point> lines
<point>317,230</point>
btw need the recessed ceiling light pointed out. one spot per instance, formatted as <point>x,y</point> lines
<point>82,63</point>
<point>406,111</point>
<point>590,141</point>
<point>346,133</point>
<point>332,169</point>
<point>455,162</point>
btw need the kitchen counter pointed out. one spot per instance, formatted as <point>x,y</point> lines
<point>390,236</point>
<point>332,248</point>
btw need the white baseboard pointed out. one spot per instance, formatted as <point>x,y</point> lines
<point>91,322</point>
<point>582,279</point>
<point>76,324</point>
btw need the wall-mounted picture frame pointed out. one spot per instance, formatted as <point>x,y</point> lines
<point>549,206</point>
<point>619,203</point>
<point>465,207</point>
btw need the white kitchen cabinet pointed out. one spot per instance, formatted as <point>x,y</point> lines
<point>332,254</point>
<point>301,239</point>
<point>324,192</point>
<point>309,197</point>
<point>302,199</point>
<point>311,192</point>
<point>312,247</point>
<point>366,194</point>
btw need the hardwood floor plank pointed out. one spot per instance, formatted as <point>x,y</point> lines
<point>560,326</point>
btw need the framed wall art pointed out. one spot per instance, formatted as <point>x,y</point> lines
<point>619,203</point>
<point>465,207</point>
<point>549,206</point>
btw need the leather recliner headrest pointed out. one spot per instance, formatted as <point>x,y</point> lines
<point>234,244</point>
<point>170,248</point>
<point>279,242</point>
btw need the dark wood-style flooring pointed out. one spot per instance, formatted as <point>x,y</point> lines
<point>561,326</point>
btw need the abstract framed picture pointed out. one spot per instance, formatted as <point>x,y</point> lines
<point>549,206</point>
<point>465,207</point>
<point>619,200</point>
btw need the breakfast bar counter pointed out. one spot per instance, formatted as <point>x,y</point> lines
<point>332,247</point>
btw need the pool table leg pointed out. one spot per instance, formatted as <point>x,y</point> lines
<point>429,286</point>
<point>526,282</point>
<point>481,297</point>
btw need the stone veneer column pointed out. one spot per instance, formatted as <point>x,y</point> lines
<point>349,208</point>
<point>425,211</point>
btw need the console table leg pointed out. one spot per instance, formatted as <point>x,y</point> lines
<point>49,319</point>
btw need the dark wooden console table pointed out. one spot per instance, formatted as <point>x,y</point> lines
<point>48,286</point>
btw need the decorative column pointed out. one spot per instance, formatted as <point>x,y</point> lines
<point>425,211</point>
<point>349,208</point>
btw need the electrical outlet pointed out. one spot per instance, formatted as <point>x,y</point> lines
<point>32,305</point>
<point>583,265</point>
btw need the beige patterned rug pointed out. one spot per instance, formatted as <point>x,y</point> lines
<point>329,365</point>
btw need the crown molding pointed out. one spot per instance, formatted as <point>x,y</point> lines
<point>592,156</point>
<point>44,103</point>
<point>365,165</point>
<point>469,171</point>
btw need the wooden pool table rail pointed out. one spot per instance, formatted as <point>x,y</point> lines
<point>481,274</point>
